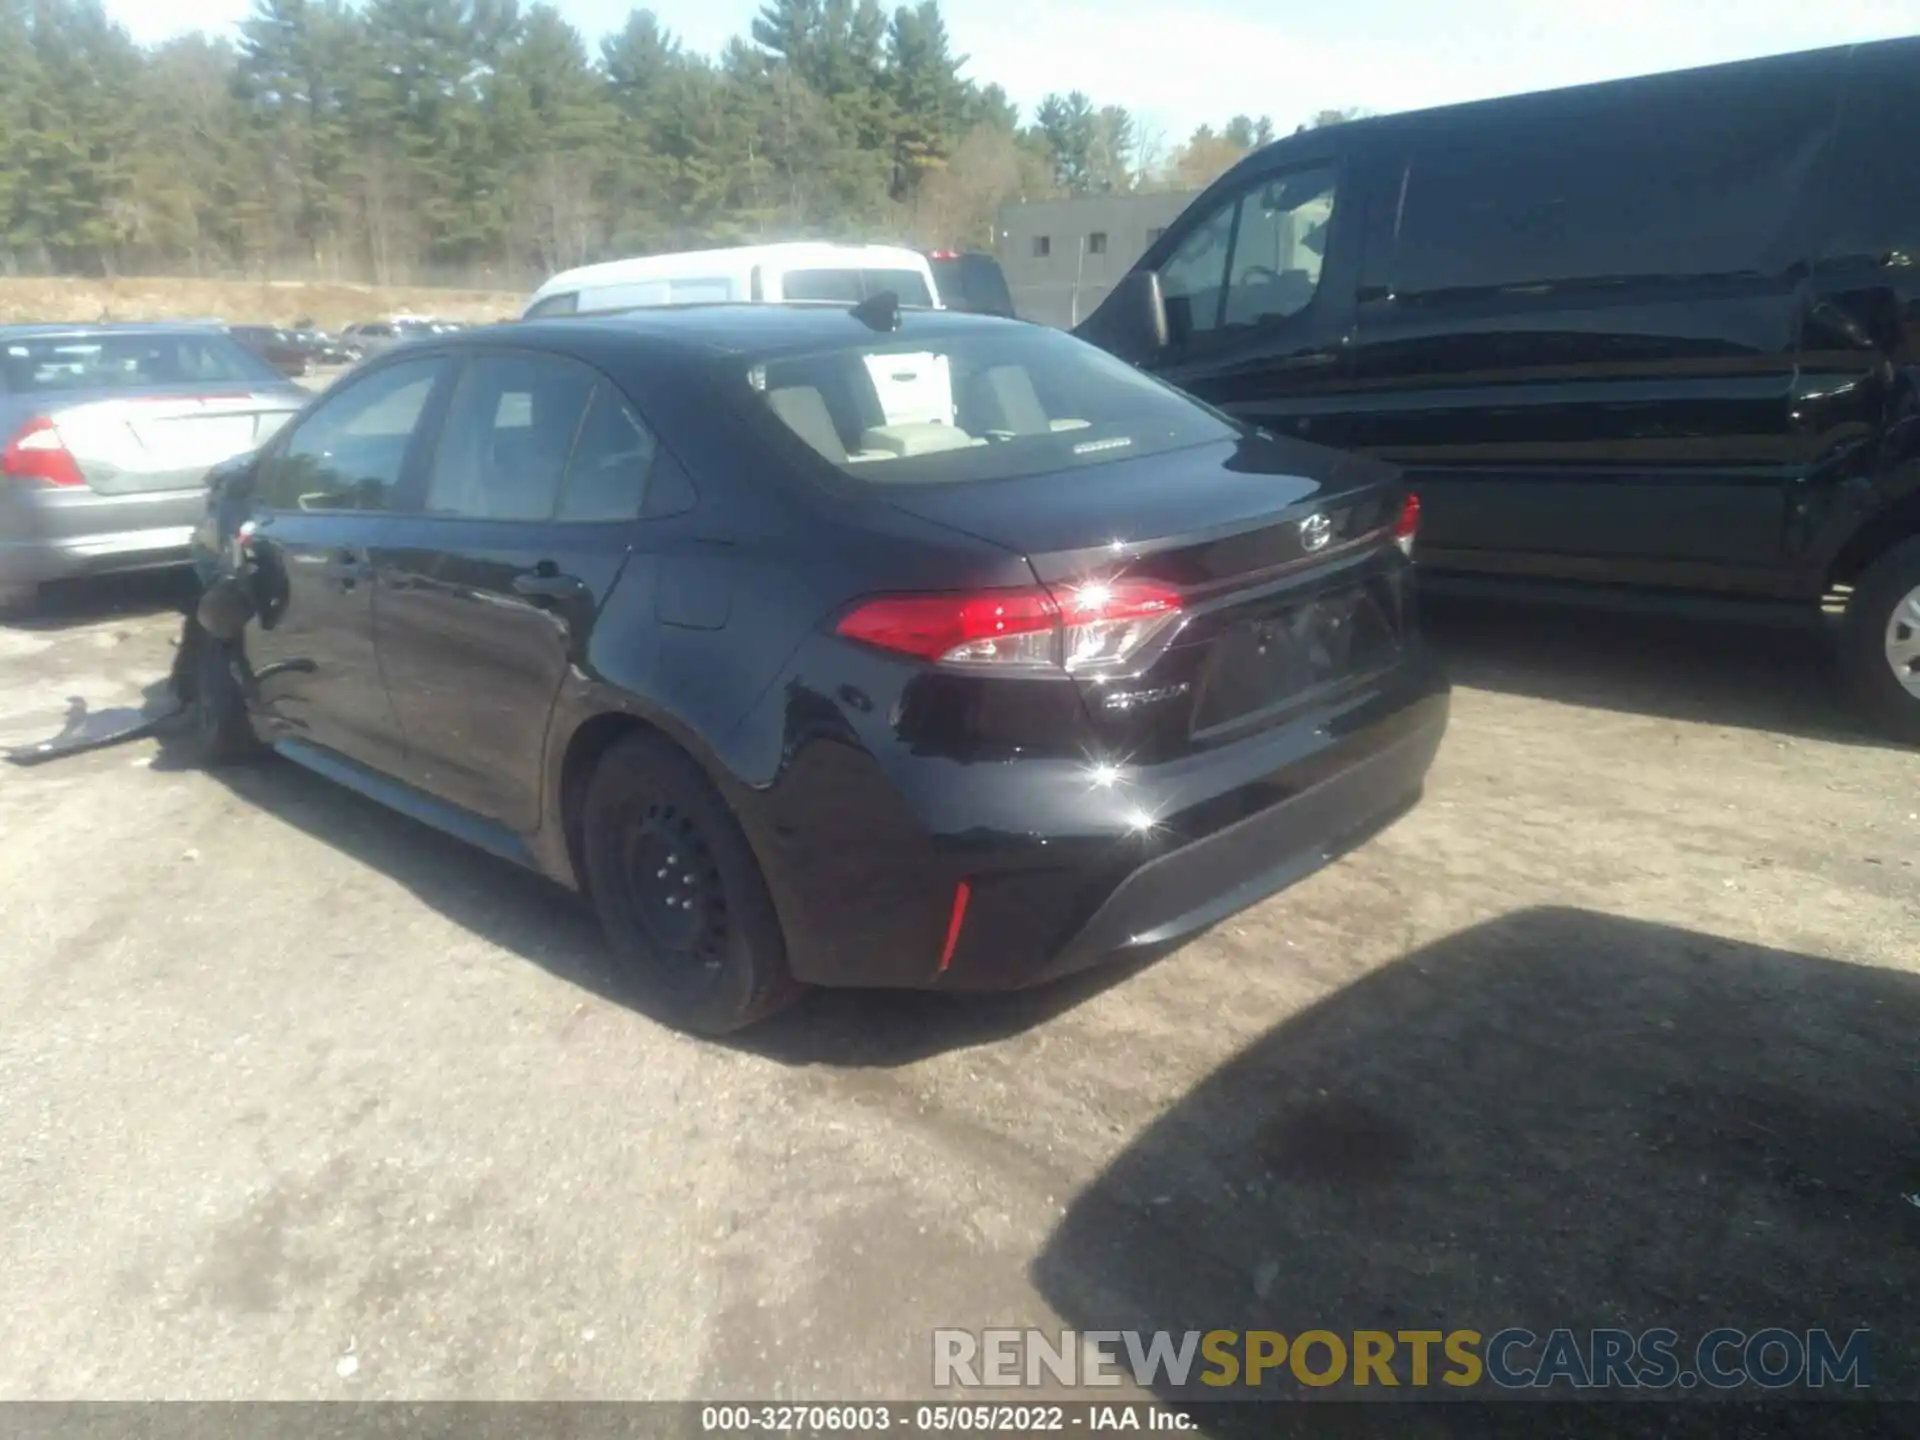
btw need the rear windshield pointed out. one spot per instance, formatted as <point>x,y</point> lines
<point>125,362</point>
<point>1002,402</point>
<point>849,287</point>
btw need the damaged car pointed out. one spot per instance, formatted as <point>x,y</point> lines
<point>726,614</point>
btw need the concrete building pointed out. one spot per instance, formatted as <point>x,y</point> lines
<point>1061,257</point>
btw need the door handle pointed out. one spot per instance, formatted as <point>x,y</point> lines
<point>546,583</point>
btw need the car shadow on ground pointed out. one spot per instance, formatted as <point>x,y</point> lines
<point>1559,1118</point>
<point>542,922</point>
<point>66,604</point>
<point>1714,672</point>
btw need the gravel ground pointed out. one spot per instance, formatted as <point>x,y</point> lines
<point>301,1100</point>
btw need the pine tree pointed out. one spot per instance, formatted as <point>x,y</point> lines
<point>929,100</point>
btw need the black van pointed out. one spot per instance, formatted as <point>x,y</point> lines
<point>1660,333</point>
<point>971,281</point>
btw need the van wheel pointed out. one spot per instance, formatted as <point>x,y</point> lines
<point>222,733</point>
<point>680,895</point>
<point>1880,651</point>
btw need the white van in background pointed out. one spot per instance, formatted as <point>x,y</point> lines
<point>842,274</point>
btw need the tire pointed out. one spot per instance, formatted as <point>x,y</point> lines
<point>222,734</point>
<point>704,954</point>
<point>1880,649</point>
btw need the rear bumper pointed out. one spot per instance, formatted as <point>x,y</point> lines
<point>45,535</point>
<point>1182,893</point>
<point>1064,868</point>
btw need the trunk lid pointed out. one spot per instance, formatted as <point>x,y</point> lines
<point>132,443</point>
<point>1283,555</point>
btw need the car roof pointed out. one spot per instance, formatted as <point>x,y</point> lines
<point>110,327</point>
<point>743,327</point>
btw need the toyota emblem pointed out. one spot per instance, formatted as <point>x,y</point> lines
<point>1315,532</point>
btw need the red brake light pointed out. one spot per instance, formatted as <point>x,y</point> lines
<point>944,255</point>
<point>1093,625</point>
<point>36,453</point>
<point>1408,525</point>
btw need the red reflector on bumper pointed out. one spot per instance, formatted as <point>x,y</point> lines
<point>961,892</point>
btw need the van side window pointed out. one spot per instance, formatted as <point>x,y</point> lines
<point>1874,214</point>
<point>1254,261</point>
<point>1280,247</point>
<point>1668,176</point>
<point>1195,275</point>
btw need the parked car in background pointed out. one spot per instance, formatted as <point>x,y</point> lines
<point>686,609</point>
<point>279,348</point>
<point>1619,350</point>
<point>971,281</point>
<point>107,433</point>
<point>374,336</point>
<point>802,271</point>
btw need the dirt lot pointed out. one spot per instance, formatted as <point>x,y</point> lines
<point>258,302</point>
<point>298,1099</point>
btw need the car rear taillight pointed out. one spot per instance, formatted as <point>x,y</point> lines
<point>1092,626</point>
<point>1408,525</point>
<point>36,453</point>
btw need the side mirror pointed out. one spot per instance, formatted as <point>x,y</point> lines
<point>1132,321</point>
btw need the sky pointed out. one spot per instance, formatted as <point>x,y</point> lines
<point>1179,63</point>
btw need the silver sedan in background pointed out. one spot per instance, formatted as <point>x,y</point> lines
<point>107,433</point>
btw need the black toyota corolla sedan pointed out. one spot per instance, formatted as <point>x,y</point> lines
<point>825,646</point>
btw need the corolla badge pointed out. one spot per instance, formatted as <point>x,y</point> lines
<point>1315,532</point>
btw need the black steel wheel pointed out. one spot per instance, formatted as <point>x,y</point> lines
<point>679,892</point>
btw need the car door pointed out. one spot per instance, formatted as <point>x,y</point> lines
<point>1258,284</point>
<point>322,495</point>
<point>487,595</point>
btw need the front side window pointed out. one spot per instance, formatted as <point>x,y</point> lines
<point>1005,403</point>
<point>1195,275</point>
<point>509,430</point>
<point>1255,260</point>
<point>1280,247</point>
<point>351,451</point>
<point>567,303</point>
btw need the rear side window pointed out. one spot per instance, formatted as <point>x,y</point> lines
<point>349,453</point>
<point>1672,175</point>
<point>129,361</point>
<point>606,475</point>
<point>509,430</point>
<point>850,287</point>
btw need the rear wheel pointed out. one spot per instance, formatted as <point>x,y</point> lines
<point>1881,647</point>
<point>222,733</point>
<point>679,893</point>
